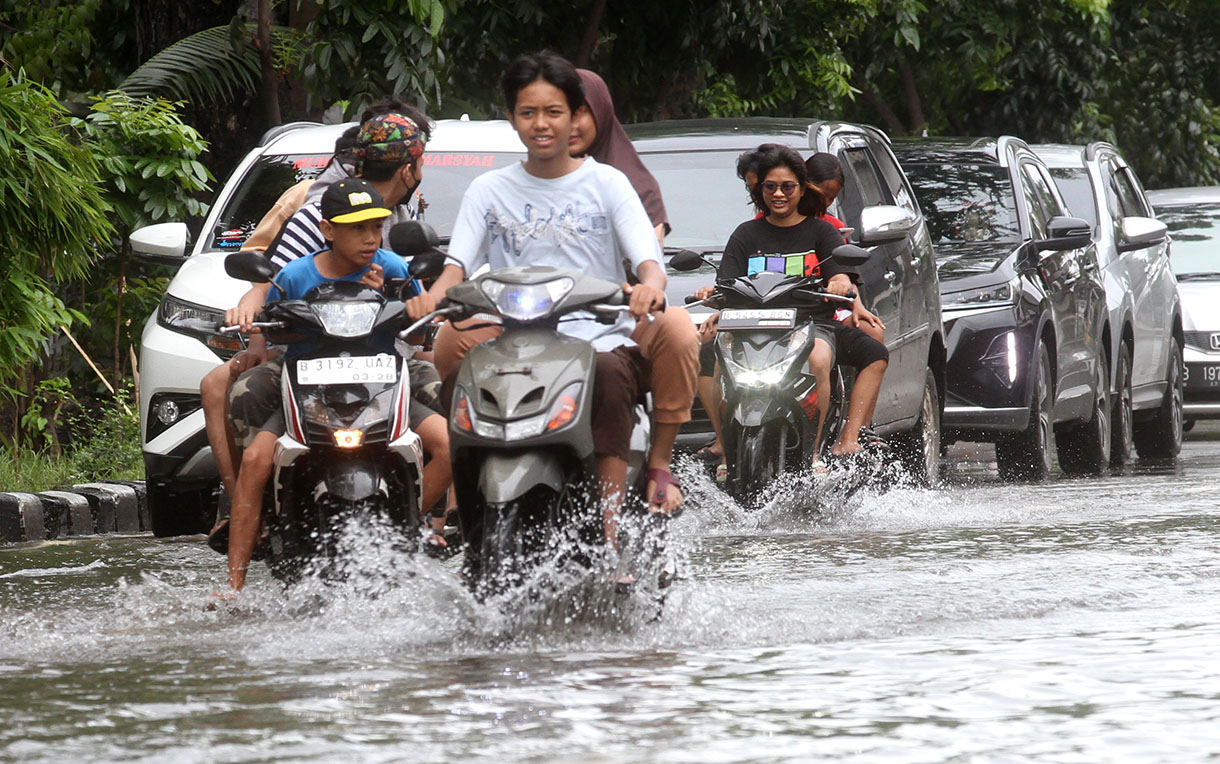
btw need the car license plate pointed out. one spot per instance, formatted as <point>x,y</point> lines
<point>761,318</point>
<point>1202,375</point>
<point>348,371</point>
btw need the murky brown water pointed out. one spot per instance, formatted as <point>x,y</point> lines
<point>1076,621</point>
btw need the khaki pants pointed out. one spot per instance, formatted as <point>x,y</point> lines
<point>669,344</point>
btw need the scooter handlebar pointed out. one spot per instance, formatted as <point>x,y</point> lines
<point>235,329</point>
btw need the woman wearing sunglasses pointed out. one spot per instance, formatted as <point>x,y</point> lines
<point>792,231</point>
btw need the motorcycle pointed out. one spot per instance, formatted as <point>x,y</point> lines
<point>769,411</point>
<point>348,451</point>
<point>520,426</point>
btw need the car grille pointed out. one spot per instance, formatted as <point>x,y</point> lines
<point>1203,341</point>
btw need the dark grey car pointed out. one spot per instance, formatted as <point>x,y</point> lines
<point>695,161</point>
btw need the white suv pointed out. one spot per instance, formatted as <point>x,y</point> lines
<point>181,343</point>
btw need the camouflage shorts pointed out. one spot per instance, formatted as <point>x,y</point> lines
<point>426,384</point>
<point>254,402</point>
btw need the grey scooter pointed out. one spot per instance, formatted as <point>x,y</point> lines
<point>520,422</point>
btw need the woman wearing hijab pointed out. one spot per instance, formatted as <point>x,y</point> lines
<point>596,132</point>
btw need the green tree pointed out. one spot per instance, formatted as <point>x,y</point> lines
<point>53,216</point>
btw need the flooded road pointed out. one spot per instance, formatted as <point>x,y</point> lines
<point>1074,621</point>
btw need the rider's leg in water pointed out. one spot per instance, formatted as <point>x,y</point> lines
<point>821,359</point>
<point>709,395</point>
<point>616,386</point>
<point>244,520</point>
<point>214,395</point>
<point>861,349</point>
<point>433,432</point>
<point>670,344</point>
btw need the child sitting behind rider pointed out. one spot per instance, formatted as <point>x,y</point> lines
<point>352,212</point>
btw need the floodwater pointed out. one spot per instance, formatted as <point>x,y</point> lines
<point>1072,621</point>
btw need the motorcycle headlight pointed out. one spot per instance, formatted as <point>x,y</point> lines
<point>198,321</point>
<point>985,297</point>
<point>346,319</point>
<point>524,302</point>
<point>762,372</point>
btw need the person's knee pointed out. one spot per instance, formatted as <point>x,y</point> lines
<point>258,457</point>
<point>214,387</point>
<point>434,436</point>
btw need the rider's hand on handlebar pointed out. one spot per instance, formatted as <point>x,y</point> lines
<point>644,299</point>
<point>839,284</point>
<point>420,306</point>
<point>248,308</point>
<point>704,292</point>
<point>374,277</point>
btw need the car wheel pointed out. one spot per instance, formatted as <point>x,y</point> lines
<point>1027,455</point>
<point>174,510</point>
<point>1161,438</point>
<point>1122,434</point>
<point>919,447</point>
<point>1084,449</point>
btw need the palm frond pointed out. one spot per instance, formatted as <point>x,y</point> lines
<point>211,66</point>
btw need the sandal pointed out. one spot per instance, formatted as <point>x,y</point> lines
<point>722,473</point>
<point>707,455</point>
<point>819,468</point>
<point>662,479</point>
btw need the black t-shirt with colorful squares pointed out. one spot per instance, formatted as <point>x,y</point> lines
<point>758,246</point>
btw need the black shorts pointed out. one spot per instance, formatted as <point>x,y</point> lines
<point>857,349</point>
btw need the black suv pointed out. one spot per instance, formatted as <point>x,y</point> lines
<point>695,163</point>
<point>1023,304</point>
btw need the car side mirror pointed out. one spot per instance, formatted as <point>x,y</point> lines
<point>686,260</point>
<point>1138,232</point>
<point>1064,232</point>
<point>885,222</point>
<point>163,243</point>
<point>851,255</point>
<point>249,266</point>
<point>411,238</point>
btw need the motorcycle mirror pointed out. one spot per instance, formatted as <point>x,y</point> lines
<point>850,254</point>
<point>412,238</point>
<point>427,266</point>
<point>249,266</point>
<point>686,260</point>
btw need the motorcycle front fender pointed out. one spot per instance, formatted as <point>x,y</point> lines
<point>504,477</point>
<point>354,479</point>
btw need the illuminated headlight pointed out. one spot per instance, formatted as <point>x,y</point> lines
<point>524,302</point>
<point>346,319</point>
<point>1001,294</point>
<point>769,375</point>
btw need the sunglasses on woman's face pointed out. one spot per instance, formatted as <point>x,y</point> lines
<point>788,187</point>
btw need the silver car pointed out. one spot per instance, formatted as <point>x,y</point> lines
<point>1193,217</point>
<point>1146,323</point>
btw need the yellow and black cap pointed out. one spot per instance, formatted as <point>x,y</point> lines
<point>352,200</point>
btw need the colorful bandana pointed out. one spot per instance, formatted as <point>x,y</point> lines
<point>390,138</point>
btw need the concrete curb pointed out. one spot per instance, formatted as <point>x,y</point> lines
<point>86,509</point>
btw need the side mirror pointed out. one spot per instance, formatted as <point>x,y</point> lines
<point>249,266</point>
<point>413,238</point>
<point>851,255</point>
<point>686,260</point>
<point>885,222</point>
<point>1138,232</point>
<point>161,243</point>
<point>1064,232</point>
<point>426,266</point>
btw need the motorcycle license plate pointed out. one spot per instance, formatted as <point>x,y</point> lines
<point>348,371</point>
<point>762,318</point>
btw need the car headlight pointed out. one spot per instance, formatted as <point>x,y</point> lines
<point>198,321</point>
<point>985,297</point>
<point>524,302</point>
<point>346,319</point>
<point>749,375</point>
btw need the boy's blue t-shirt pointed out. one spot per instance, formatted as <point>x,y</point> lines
<point>301,275</point>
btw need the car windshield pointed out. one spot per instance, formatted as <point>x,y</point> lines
<point>1195,229</point>
<point>446,176</point>
<point>1077,190</point>
<point>966,202</point>
<point>703,196</point>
